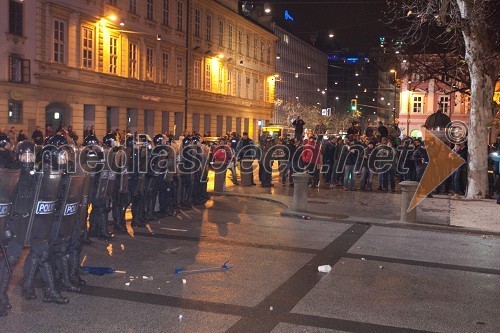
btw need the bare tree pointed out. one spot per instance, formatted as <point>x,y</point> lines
<point>469,32</point>
<point>288,110</point>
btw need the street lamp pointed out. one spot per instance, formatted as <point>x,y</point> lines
<point>394,106</point>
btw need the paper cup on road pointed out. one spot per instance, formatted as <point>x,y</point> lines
<point>325,268</point>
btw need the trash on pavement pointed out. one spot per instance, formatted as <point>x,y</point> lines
<point>184,281</point>
<point>127,284</point>
<point>223,267</point>
<point>325,268</point>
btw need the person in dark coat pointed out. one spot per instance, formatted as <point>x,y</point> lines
<point>37,136</point>
<point>299,127</point>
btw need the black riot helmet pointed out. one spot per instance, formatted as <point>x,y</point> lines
<point>57,140</point>
<point>159,140</point>
<point>186,141</point>
<point>4,141</point>
<point>55,155</point>
<point>109,140</point>
<point>90,140</point>
<point>25,153</point>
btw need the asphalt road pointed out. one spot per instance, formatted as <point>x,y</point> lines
<point>383,279</point>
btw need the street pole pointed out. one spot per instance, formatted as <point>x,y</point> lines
<point>186,78</point>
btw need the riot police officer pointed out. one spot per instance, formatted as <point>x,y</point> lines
<point>156,174</point>
<point>46,183</point>
<point>167,191</point>
<point>66,217</point>
<point>136,166</point>
<point>101,197</point>
<point>8,182</point>
<point>187,168</point>
<point>118,157</point>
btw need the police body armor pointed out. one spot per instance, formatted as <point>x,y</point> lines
<point>46,194</point>
<point>8,182</point>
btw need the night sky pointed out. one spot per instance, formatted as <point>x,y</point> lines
<point>357,24</point>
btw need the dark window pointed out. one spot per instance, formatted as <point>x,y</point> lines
<point>112,2</point>
<point>15,17</point>
<point>15,112</point>
<point>19,69</point>
<point>149,9</point>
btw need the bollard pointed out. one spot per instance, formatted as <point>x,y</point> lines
<point>408,189</point>
<point>246,171</point>
<point>220,169</point>
<point>300,191</point>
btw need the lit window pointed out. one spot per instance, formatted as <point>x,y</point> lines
<point>113,54</point>
<point>197,74</point>
<point>444,103</point>
<point>87,48</point>
<point>417,104</point>
<point>132,60</point>
<point>230,82</point>
<point>149,64</point>
<point>179,71</point>
<point>15,112</point>
<point>164,68</point>
<point>19,69</point>
<point>208,77</point>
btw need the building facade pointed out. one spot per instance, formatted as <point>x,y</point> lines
<point>421,98</point>
<point>147,66</point>
<point>301,73</point>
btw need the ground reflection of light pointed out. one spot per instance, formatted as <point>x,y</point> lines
<point>110,250</point>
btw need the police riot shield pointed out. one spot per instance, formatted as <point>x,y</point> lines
<point>69,200</point>
<point>112,174</point>
<point>122,157</point>
<point>85,198</point>
<point>41,218</point>
<point>8,182</point>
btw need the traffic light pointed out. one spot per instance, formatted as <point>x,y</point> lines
<point>354,104</point>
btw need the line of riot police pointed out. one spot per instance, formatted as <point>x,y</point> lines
<point>46,192</point>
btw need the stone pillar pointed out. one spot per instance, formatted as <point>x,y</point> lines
<point>246,171</point>
<point>220,169</point>
<point>300,191</point>
<point>408,188</point>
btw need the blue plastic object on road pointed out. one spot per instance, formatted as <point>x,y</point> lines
<point>100,271</point>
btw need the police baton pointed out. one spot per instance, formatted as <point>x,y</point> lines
<point>7,264</point>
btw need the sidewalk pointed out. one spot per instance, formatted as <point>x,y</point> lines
<point>379,207</point>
